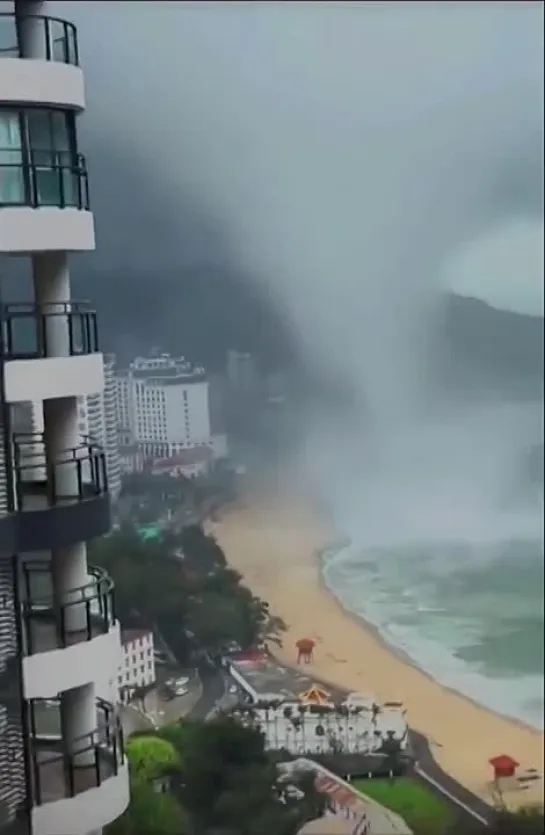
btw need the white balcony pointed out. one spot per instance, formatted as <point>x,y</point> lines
<point>68,644</point>
<point>78,785</point>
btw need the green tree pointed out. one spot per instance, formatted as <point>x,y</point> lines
<point>150,813</point>
<point>230,783</point>
<point>151,757</point>
<point>182,585</point>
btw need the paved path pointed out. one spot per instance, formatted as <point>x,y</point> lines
<point>470,807</point>
<point>213,690</point>
<point>164,711</point>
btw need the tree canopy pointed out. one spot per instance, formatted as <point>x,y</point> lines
<point>151,813</point>
<point>182,585</point>
<point>229,782</point>
<point>151,757</point>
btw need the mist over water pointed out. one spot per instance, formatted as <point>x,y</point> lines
<point>349,151</point>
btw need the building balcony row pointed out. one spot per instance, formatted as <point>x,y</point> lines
<point>52,38</point>
<point>58,498</point>
<point>75,783</point>
<point>69,638</point>
<point>50,350</point>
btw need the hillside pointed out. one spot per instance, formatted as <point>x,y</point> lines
<point>494,349</point>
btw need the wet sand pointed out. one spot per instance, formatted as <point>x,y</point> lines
<point>275,547</point>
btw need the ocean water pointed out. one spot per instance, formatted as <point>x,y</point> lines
<point>470,615</point>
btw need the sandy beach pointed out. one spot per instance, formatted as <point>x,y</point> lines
<point>274,546</point>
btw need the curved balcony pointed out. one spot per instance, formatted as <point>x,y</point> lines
<point>53,39</point>
<point>83,779</point>
<point>55,179</point>
<point>61,500</point>
<point>69,642</point>
<point>47,622</point>
<point>44,200</point>
<point>28,329</point>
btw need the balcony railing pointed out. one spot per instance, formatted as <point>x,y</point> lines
<point>49,178</point>
<point>49,624</point>
<point>53,39</point>
<point>63,768</point>
<point>76,474</point>
<point>29,331</point>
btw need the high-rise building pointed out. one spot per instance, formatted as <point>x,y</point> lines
<point>98,415</point>
<point>162,405</point>
<point>241,372</point>
<point>62,765</point>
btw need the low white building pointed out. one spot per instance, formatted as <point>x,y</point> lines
<point>308,733</point>
<point>137,668</point>
<point>314,725</point>
<point>191,463</point>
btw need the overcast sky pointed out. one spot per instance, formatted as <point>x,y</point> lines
<point>259,127</point>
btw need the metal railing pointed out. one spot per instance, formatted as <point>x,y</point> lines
<point>53,39</point>
<point>47,178</point>
<point>76,474</point>
<point>63,768</point>
<point>93,604</point>
<point>25,328</point>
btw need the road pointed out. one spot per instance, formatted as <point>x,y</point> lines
<point>213,690</point>
<point>469,807</point>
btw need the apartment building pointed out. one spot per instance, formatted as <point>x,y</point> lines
<point>59,637</point>
<point>241,372</point>
<point>137,667</point>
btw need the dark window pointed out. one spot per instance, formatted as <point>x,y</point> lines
<point>39,162</point>
<point>51,134</point>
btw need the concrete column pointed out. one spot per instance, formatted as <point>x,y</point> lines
<point>52,293</point>
<point>69,570</point>
<point>79,722</point>
<point>63,445</point>
<point>32,31</point>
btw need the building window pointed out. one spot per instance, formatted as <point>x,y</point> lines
<point>39,163</point>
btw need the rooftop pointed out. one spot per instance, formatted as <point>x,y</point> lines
<point>266,676</point>
<point>130,635</point>
<point>163,369</point>
<point>186,458</point>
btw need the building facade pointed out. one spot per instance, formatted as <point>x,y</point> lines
<point>162,405</point>
<point>137,668</point>
<point>59,637</point>
<point>98,415</point>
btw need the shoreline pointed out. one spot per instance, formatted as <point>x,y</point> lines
<point>404,656</point>
<point>276,548</point>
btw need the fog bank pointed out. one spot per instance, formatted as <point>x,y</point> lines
<point>349,152</point>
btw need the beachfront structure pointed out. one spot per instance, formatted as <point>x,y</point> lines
<point>310,730</point>
<point>162,405</point>
<point>59,637</point>
<point>137,667</point>
<point>190,463</point>
<point>306,719</point>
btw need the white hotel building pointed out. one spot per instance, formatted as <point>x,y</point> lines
<point>59,637</point>
<point>162,406</point>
